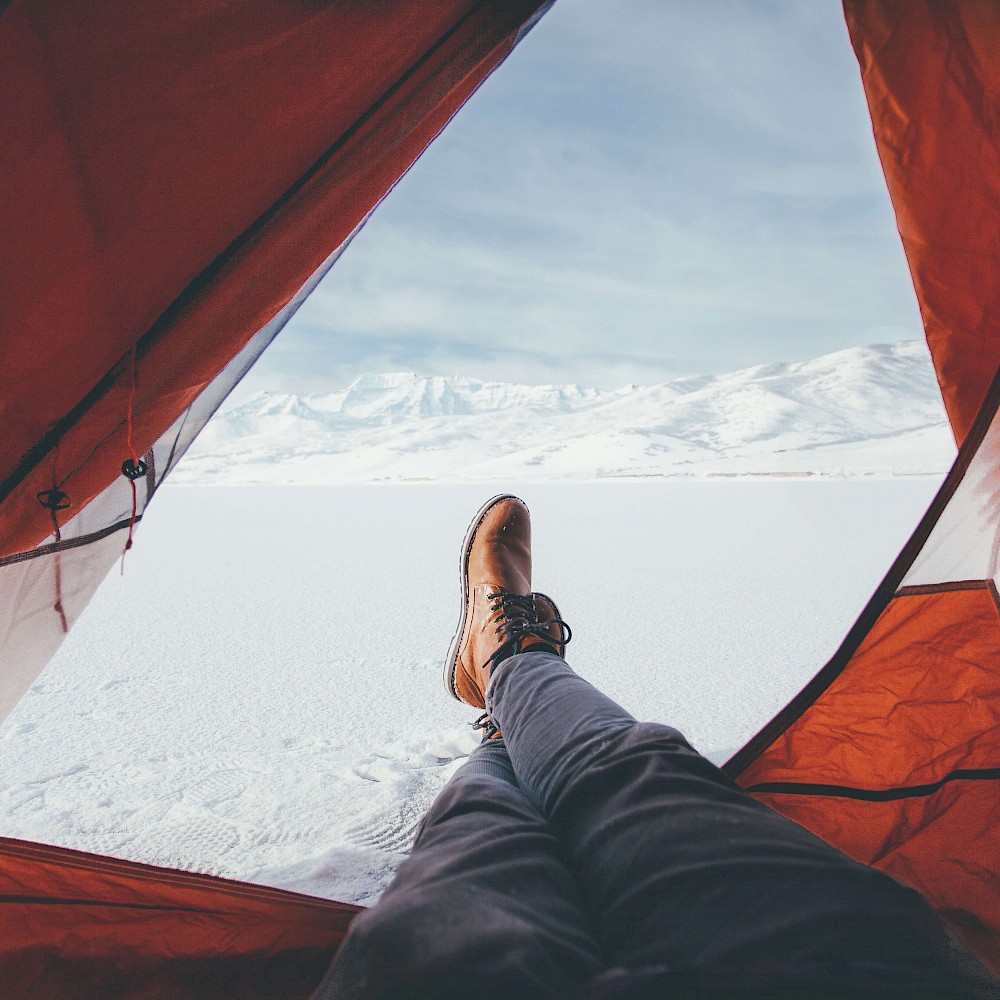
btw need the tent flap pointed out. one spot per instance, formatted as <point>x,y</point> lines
<point>932,79</point>
<point>183,175</point>
<point>79,925</point>
<point>177,179</point>
<point>893,755</point>
<point>892,752</point>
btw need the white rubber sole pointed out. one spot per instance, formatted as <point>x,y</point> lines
<point>451,661</point>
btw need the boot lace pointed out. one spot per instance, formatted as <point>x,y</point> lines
<point>518,620</point>
<point>490,729</point>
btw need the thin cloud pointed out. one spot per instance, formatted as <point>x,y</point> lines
<point>693,185</point>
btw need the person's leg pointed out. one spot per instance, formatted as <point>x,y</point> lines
<point>484,904</point>
<point>690,882</point>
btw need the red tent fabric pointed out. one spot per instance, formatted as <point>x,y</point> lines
<point>178,179</point>
<point>892,753</point>
<point>79,925</point>
<point>931,72</point>
<point>172,182</point>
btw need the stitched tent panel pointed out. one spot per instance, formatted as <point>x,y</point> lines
<point>177,180</point>
<point>935,649</point>
<point>897,762</point>
<point>931,73</point>
<point>914,840</point>
<point>79,925</point>
<point>892,752</point>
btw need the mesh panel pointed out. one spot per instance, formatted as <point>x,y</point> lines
<point>963,544</point>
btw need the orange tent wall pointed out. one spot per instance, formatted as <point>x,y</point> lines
<point>178,179</point>
<point>931,71</point>
<point>892,753</point>
<point>78,925</point>
<point>897,763</point>
<point>175,176</point>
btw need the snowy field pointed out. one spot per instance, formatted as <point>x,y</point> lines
<point>260,695</point>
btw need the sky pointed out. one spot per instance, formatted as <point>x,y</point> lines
<point>643,190</point>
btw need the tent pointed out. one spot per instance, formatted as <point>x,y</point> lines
<point>179,177</point>
<point>892,752</point>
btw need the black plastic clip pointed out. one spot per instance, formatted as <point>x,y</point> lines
<point>134,470</point>
<point>53,499</point>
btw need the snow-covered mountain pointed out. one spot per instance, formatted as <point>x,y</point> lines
<point>863,411</point>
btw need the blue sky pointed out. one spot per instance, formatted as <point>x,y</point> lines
<point>643,190</point>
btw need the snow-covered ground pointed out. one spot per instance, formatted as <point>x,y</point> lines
<point>260,695</point>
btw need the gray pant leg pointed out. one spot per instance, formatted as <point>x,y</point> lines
<point>686,876</point>
<point>483,906</point>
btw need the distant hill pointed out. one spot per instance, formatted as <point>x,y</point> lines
<point>863,411</point>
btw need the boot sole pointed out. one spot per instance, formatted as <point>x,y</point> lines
<point>451,662</point>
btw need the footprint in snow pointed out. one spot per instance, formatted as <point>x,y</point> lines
<point>401,757</point>
<point>390,831</point>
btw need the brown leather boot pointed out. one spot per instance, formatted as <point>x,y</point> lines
<point>498,613</point>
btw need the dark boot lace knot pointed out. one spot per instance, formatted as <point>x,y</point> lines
<point>490,729</point>
<point>518,620</point>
